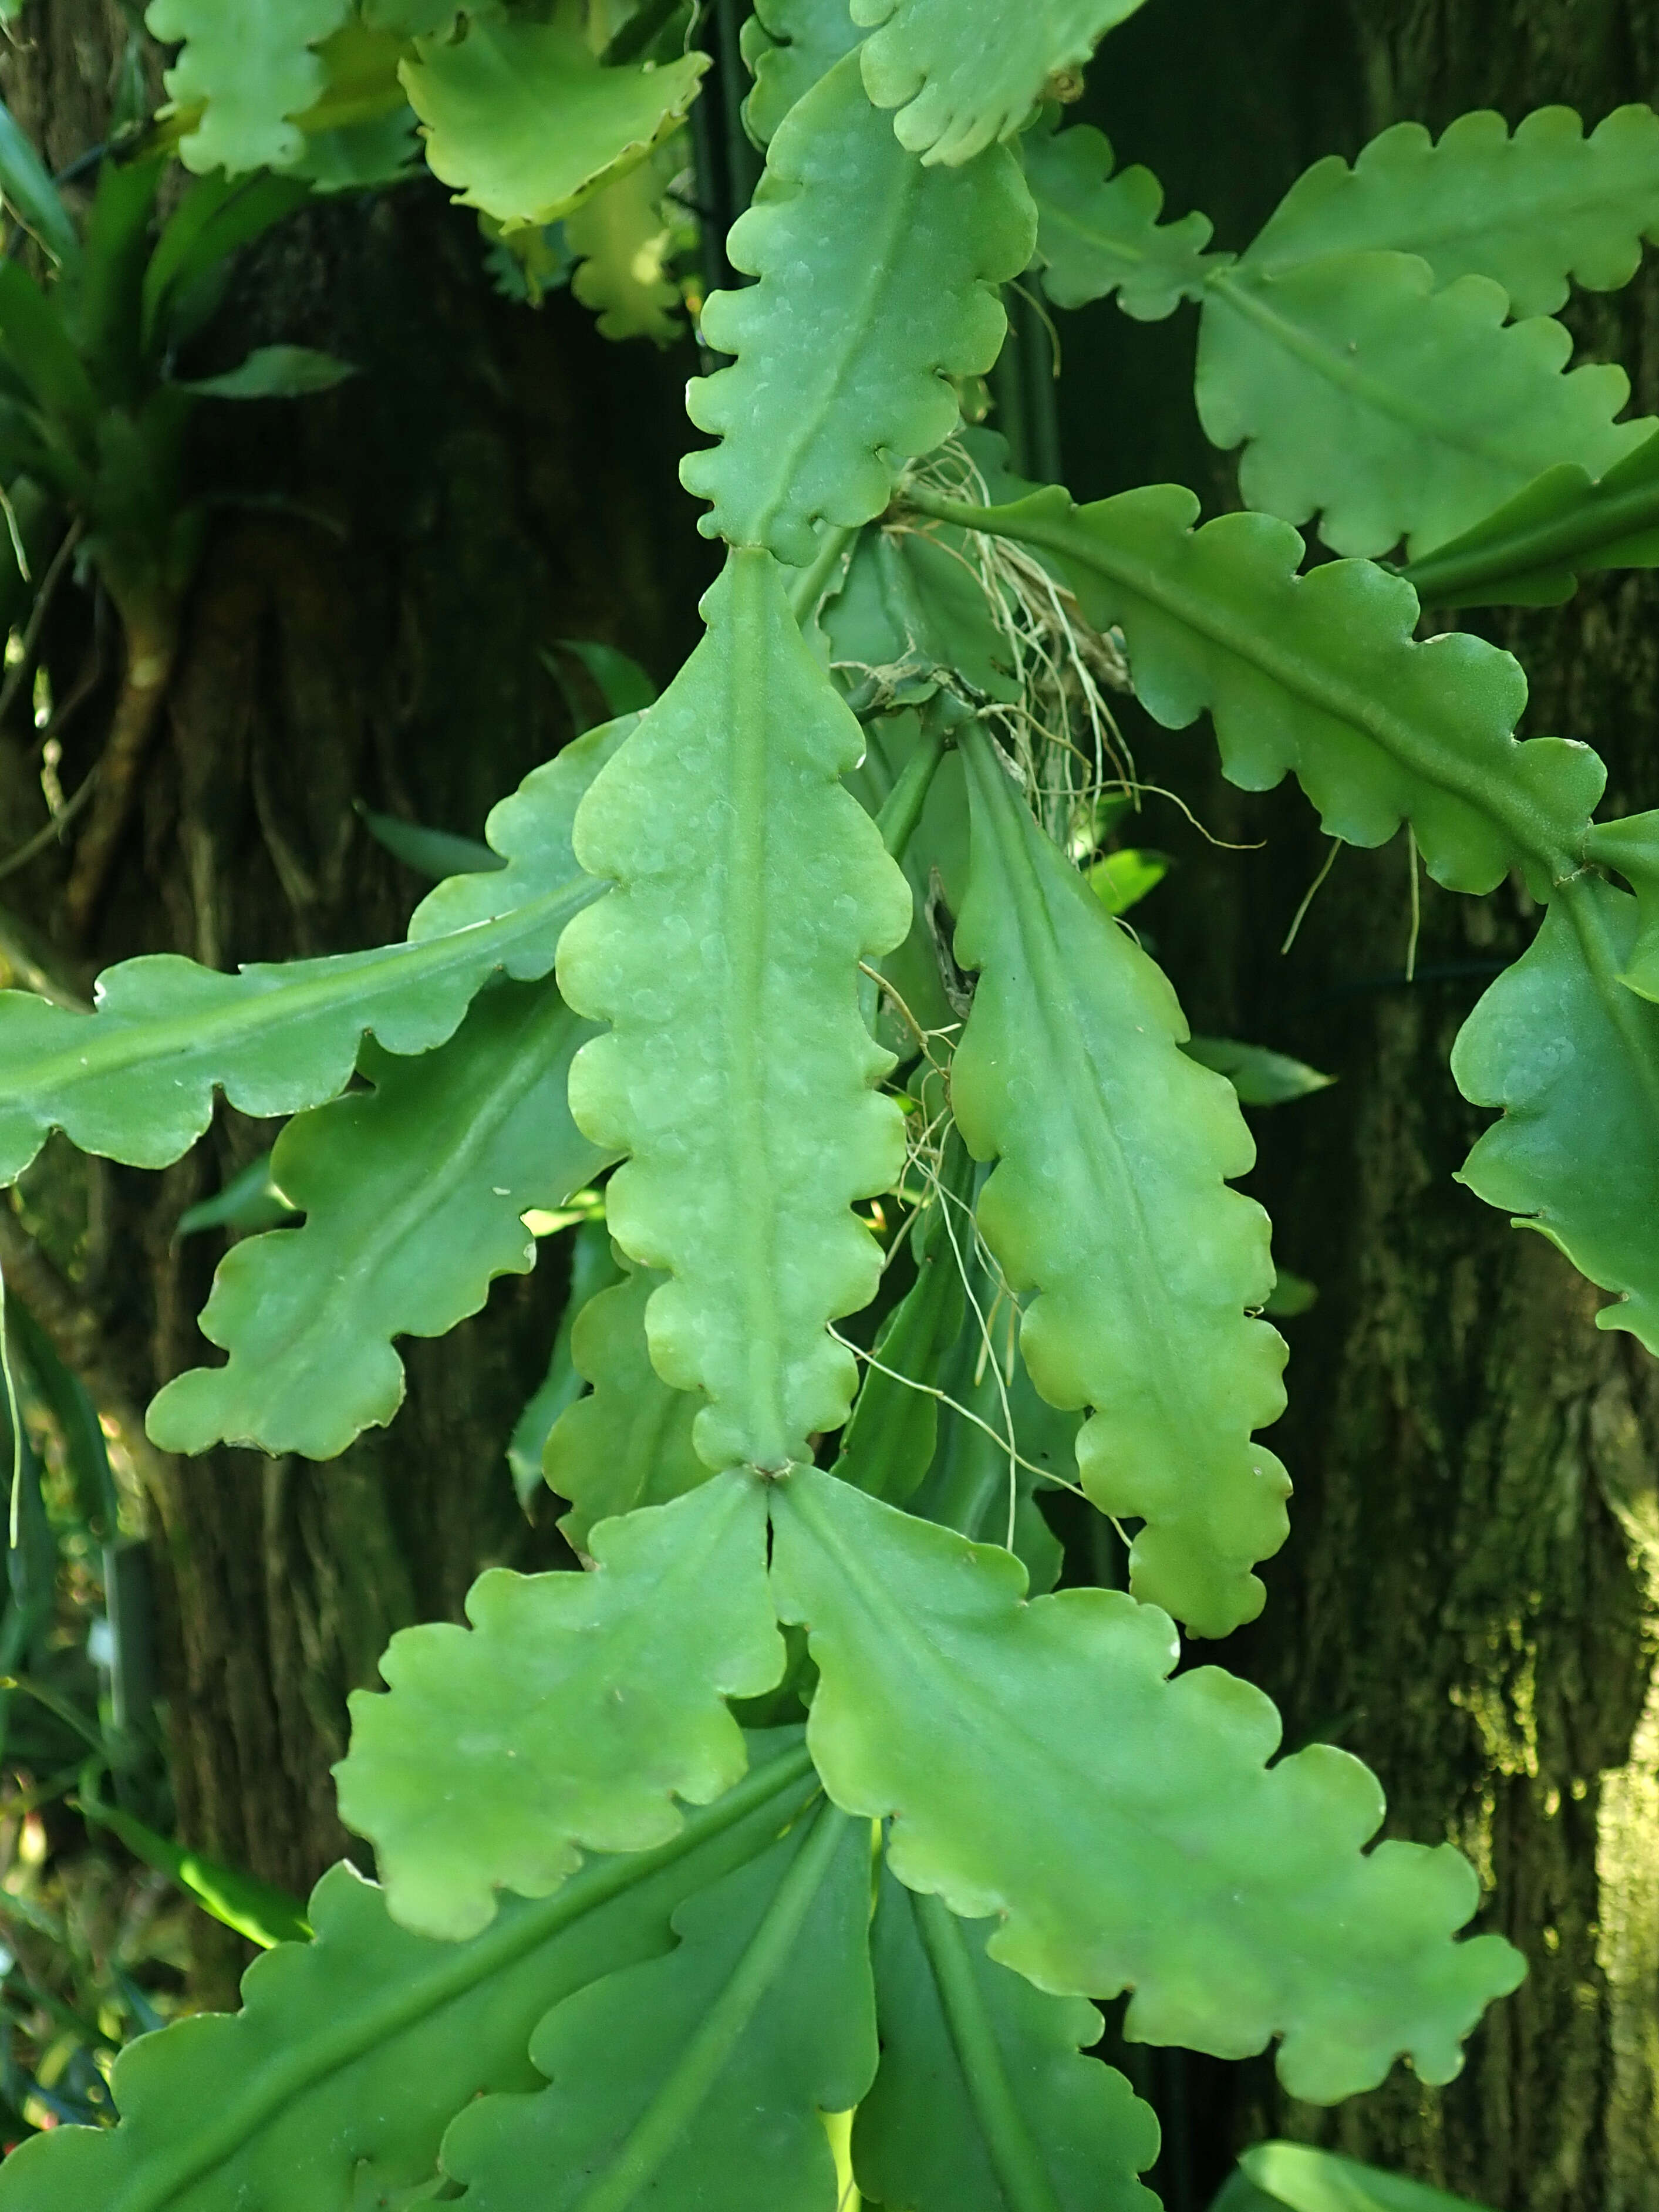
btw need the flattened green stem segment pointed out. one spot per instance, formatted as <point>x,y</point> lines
<point>768,1956</point>
<point>579,1712</point>
<point>738,1072</point>
<point>701,2077</point>
<point>901,809</point>
<point>1235,1898</point>
<point>414,1193</point>
<point>1018,2163</point>
<point>838,381</point>
<point>1572,1055</point>
<point>1319,674</point>
<point>352,2052</point>
<point>1532,550</point>
<point>1360,393</point>
<point>1109,1200</point>
<point>984,2102</point>
<point>136,1080</point>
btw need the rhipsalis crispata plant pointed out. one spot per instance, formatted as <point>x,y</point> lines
<point>806,1795</point>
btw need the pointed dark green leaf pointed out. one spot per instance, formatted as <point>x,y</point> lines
<point>215,215</point>
<point>1308,2180</point>
<point>702,2078</point>
<point>622,683</point>
<point>839,383</point>
<point>629,1442</point>
<point>1098,234</point>
<point>1038,1764</point>
<point>28,190</point>
<point>1260,1077</point>
<point>1532,212</point>
<point>248,70</point>
<point>570,1716</point>
<point>965,72</point>
<point>432,852</point>
<point>1319,674</point>
<point>1389,409</point>
<point>1109,1201</point>
<point>414,1192</point>
<point>1572,1057</point>
<point>136,1080</point>
<point>274,372</point>
<point>37,347</point>
<point>737,1069</point>
<point>984,2102</point>
<point>265,1915</point>
<point>333,2085</point>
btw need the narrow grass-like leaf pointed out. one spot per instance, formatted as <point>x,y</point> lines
<point>965,72</point>
<point>414,1192</point>
<point>839,382</point>
<point>788,46</point>
<point>522,120</point>
<point>265,1915</point>
<point>1533,551</point>
<point>435,853</point>
<point>570,1716</point>
<point>249,68</point>
<point>274,372</point>
<point>1098,234</point>
<point>1572,1057</point>
<point>333,2085</point>
<point>33,199</point>
<point>984,2102</point>
<point>1532,212</point>
<point>215,217</point>
<point>1261,1078</point>
<point>702,2078</point>
<point>1319,674</point>
<point>1233,1899</point>
<point>629,1442</point>
<point>1305,2179</point>
<point>737,1070</point>
<point>1109,1202</point>
<point>1389,408</point>
<point>135,1081</point>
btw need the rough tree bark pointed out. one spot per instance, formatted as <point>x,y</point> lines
<point>384,566</point>
<point>1470,1597</point>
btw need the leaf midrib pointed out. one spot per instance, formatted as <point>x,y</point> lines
<point>1384,398</point>
<point>1529,830</point>
<point>440,1169</point>
<point>1026,911</point>
<point>855,331</point>
<point>301,2066</point>
<point>106,1045</point>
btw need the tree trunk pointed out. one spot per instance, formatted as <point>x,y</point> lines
<point>386,565</point>
<point>1470,1596</point>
